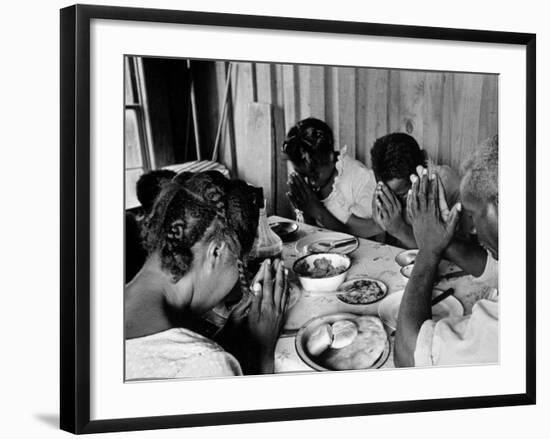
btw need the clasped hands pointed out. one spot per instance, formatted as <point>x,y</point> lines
<point>301,196</point>
<point>261,314</point>
<point>432,222</point>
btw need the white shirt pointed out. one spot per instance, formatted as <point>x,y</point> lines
<point>490,274</point>
<point>352,190</point>
<point>469,339</point>
<point>177,353</point>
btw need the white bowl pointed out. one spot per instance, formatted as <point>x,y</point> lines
<point>324,284</point>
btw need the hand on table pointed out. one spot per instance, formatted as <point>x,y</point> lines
<point>432,232</point>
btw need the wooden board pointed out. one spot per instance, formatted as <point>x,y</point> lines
<point>448,113</point>
<point>376,111</point>
<point>265,83</point>
<point>433,116</point>
<point>243,95</point>
<point>290,95</point>
<point>346,109</point>
<point>317,92</point>
<point>257,166</point>
<point>488,115</point>
<point>411,104</point>
<point>331,103</point>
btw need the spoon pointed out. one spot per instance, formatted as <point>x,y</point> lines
<point>327,246</point>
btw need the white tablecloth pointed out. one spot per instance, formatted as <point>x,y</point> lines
<point>371,259</point>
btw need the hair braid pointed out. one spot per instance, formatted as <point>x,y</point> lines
<point>310,141</point>
<point>205,206</point>
<point>245,288</point>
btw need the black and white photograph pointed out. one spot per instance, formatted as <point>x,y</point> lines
<point>298,218</point>
<point>275,219</point>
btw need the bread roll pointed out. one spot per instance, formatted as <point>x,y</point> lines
<point>343,334</point>
<point>320,340</point>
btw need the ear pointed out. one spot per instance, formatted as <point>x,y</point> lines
<point>215,252</point>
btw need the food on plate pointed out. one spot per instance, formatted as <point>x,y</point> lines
<point>343,333</point>
<point>322,267</point>
<point>361,292</point>
<point>366,348</point>
<point>320,340</point>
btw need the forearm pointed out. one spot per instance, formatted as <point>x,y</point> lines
<point>231,340</point>
<point>260,361</point>
<point>363,227</point>
<point>327,220</point>
<point>415,307</point>
<point>470,257</point>
<point>405,235</point>
<point>253,358</point>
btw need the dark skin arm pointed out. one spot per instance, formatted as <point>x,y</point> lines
<point>468,256</point>
<point>415,307</point>
<point>303,198</point>
<point>433,236</point>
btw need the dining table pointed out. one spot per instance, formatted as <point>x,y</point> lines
<point>371,259</point>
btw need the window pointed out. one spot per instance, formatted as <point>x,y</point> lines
<point>138,145</point>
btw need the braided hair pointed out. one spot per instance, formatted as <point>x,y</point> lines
<point>149,186</point>
<point>396,155</point>
<point>203,207</point>
<point>309,142</point>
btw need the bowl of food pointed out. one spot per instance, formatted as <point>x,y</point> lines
<point>322,271</point>
<point>361,291</point>
<point>343,341</point>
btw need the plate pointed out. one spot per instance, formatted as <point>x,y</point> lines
<point>307,243</point>
<point>389,308</point>
<point>307,329</point>
<point>349,294</point>
<point>286,230</point>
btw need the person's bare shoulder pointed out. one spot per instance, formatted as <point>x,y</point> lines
<point>451,183</point>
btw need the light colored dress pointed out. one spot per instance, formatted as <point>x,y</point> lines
<point>352,190</point>
<point>177,353</point>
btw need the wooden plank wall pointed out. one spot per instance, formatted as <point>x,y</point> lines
<point>447,113</point>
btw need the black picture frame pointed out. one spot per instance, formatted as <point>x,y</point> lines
<point>75,217</point>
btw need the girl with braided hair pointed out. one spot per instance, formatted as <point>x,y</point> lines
<point>330,188</point>
<point>197,236</point>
